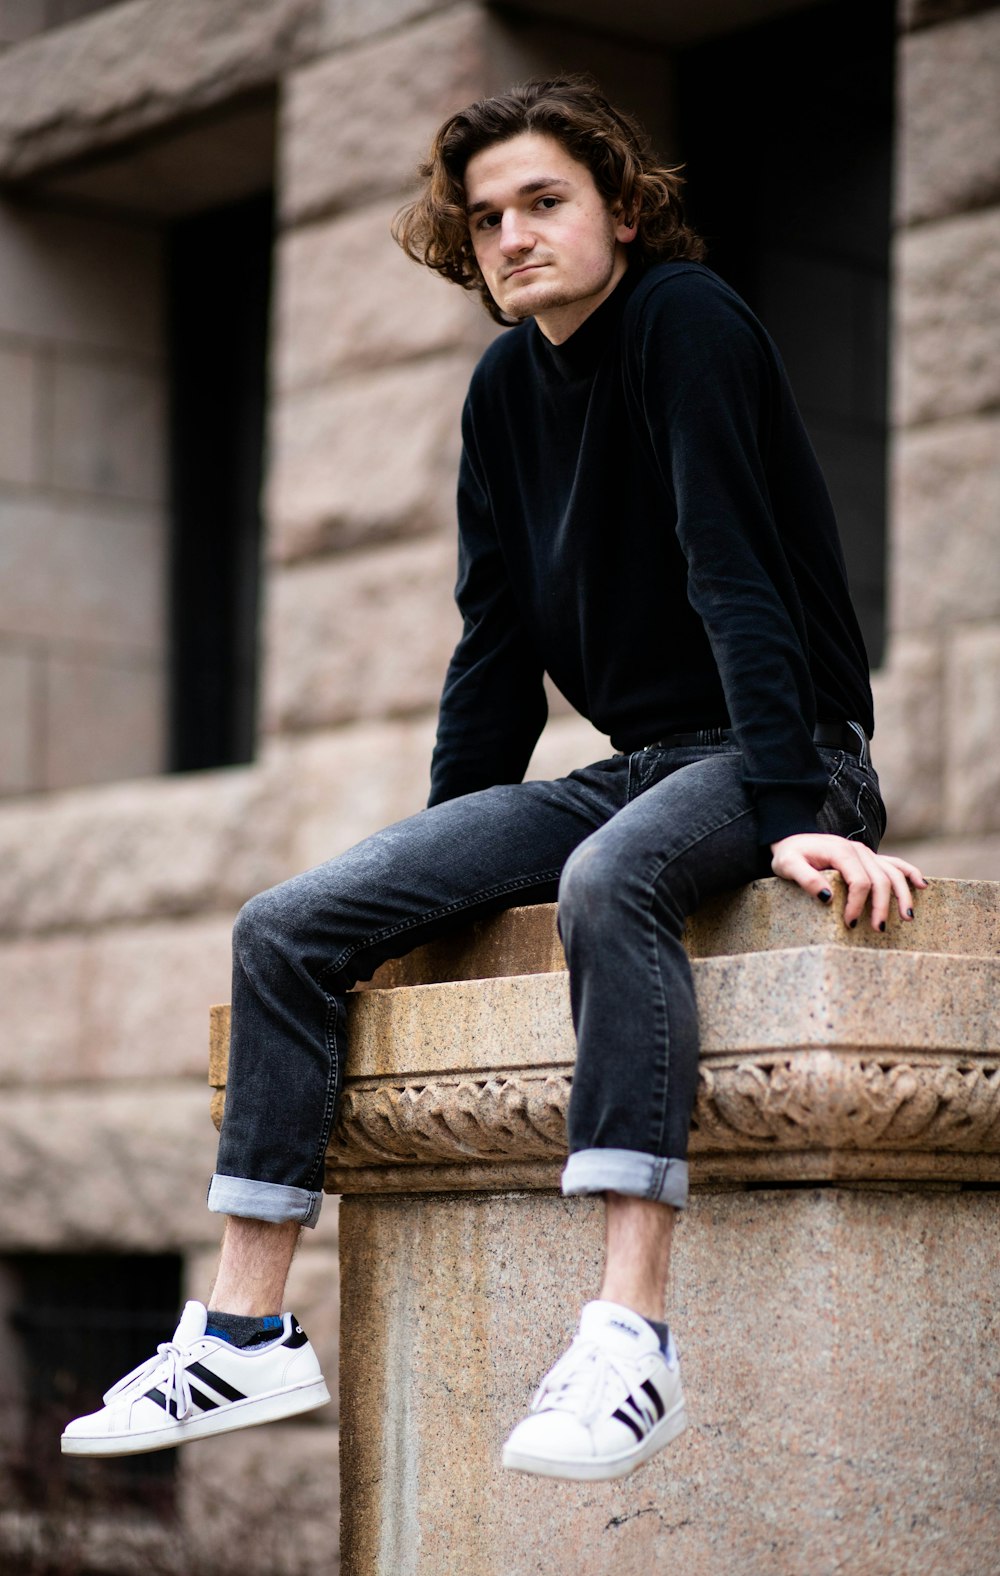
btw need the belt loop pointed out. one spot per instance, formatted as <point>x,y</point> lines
<point>863,753</point>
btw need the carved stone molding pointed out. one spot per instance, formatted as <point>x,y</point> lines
<point>755,1118</point>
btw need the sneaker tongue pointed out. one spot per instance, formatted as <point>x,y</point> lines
<point>618,1329</point>
<point>192,1324</point>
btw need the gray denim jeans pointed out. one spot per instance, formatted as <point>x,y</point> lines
<point>631,845</point>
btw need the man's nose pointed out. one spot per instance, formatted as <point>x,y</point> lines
<point>515,234</point>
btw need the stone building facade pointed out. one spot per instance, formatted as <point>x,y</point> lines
<point>120,123</point>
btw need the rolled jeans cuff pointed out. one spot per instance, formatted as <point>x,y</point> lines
<point>270,1201</point>
<point>627,1171</point>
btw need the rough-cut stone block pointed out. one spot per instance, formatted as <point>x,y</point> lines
<point>348,298</point>
<point>972,760</point>
<point>362,635</point>
<point>349,21</point>
<point>945,556</point>
<point>264,1501</point>
<point>132,67</point>
<point>967,858</point>
<point>351,782</point>
<point>566,743</point>
<point>104,720</point>
<point>19,682</point>
<point>950,108</point>
<point>907,748</point>
<point>141,850</point>
<point>948,319</point>
<point>91,282</point>
<point>99,579</point>
<point>838,1352</point>
<point>367,458</point>
<point>108,429</point>
<point>20,415</point>
<point>359,121</point>
<point>89,1169</point>
<point>43,987</point>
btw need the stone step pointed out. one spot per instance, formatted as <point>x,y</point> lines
<point>960,918</point>
<point>786,1000</point>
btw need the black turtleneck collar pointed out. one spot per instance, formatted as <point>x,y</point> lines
<point>579,355</point>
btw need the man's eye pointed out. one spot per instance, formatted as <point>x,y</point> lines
<point>489,221</point>
<point>548,202</point>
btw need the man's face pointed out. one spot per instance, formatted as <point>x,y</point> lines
<point>544,238</point>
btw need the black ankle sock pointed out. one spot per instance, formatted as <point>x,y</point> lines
<point>662,1332</point>
<point>241,1329</point>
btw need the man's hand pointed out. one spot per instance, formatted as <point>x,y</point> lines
<point>804,856</point>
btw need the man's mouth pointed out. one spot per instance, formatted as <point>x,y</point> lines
<point>525,268</point>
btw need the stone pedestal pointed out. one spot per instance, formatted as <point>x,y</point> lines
<point>835,1278</point>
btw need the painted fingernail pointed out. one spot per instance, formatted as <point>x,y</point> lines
<point>909,913</point>
<point>826,896</point>
<point>851,924</point>
<point>882,925</point>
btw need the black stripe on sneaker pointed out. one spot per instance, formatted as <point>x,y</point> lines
<point>655,1397</point>
<point>227,1391</point>
<point>640,1411</point>
<point>159,1396</point>
<point>623,1417</point>
<point>298,1336</point>
<point>201,1399</point>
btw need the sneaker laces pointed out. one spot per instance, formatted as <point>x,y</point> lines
<point>581,1379</point>
<point>167,1365</point>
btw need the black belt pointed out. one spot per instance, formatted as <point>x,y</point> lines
<point>848,736</point>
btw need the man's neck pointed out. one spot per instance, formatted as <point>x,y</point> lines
<point>558,325</point>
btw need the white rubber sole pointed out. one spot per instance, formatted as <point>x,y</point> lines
<point>234,1414</point>
<point>593,1471</point>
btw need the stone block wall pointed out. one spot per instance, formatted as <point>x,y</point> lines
<point>936,698</point>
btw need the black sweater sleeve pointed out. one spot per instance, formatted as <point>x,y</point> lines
<point>710,391</point>
<point>493,707</point>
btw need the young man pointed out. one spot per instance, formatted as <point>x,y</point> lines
<point>641,516</point>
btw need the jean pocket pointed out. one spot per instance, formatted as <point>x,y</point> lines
<point>853,806</point>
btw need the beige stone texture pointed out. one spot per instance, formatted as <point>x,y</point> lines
<point>128,851</point>
<point>350,782</point>
<point>20,401</point>
<point>109,428</point>
<point>348,298</point>
<point>104,720</point>
<point>836,1349</point>
<point>967,858</point>
<point>367,458</point>
<point>950,116</point>
<point>133,66</point>
<point>947,360</point>
<point>80,281</point>
<point>972,760</point>
<point>348,21</point>
<point>99,579</point>
<point>378,112</point>
<point>92,1169</point>
<point>19,674</point>
<point>909,721</point>
<point>264,1501</point>
<point>566,743</point>
<point>945,559</point>
<point>787,999</point>
<point>20,18</point>
<point>360,636</point>
<point>125,1002</point>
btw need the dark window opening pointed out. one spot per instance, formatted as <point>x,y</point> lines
<point>218,282</point>
<point>75,1323</point>
<point>787,132</point>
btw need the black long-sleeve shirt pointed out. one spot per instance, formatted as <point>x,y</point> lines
<point>642,515</point>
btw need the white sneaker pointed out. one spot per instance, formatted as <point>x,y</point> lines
<point>609,1404</point>
<point>197,1385</point>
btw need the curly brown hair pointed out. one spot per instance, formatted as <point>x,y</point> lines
<point>434,228</point>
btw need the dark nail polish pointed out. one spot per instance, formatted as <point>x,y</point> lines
<point>851,924</point>
<point>882,925</point>
<point>909,913</point>
<point>826,896</point>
